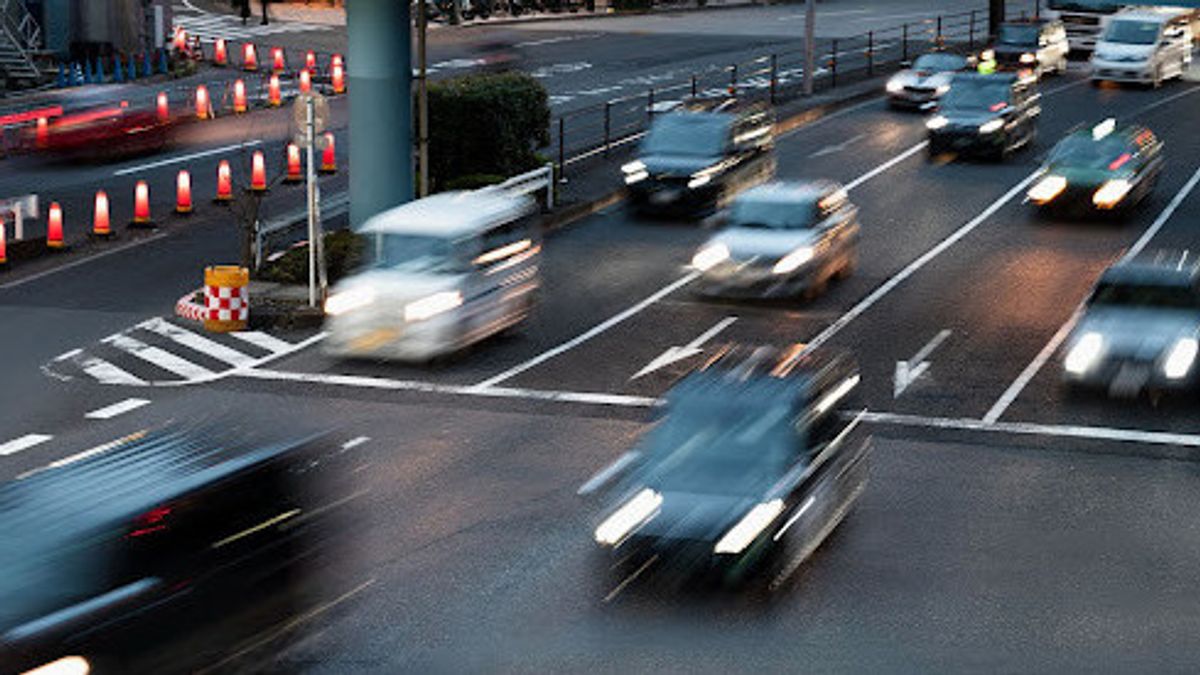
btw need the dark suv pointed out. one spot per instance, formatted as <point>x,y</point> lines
<point>694,159</point>
<point>1038,47</point>
<point>986,115</point>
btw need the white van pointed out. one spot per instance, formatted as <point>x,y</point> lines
<point>444,272</point>
<point>1145,46</point>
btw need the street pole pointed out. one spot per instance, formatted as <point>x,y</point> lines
<point>995,17</point>
<point>810,48</point>
<point>311,185</point>
<point>422,102</point>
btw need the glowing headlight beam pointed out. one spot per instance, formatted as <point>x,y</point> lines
<point>67,665</point>
<point>792,261</point>
<point>1084,354</point>
<point>349,300</point>
<point>633,513</point>
<point>710,256</point>
<point>936,122</point>
<point>1181,358</point>
<point>431,306</point>
<point>1046,189</point>
<point>749,527</point>
<point>991,126</point>
<point>1111,193</point>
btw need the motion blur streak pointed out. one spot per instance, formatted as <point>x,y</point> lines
<point>68,665</point>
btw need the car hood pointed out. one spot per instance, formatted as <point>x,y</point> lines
<point>968,118</point>
<point>921,78</point>
<point>746,242</point>
<point>695,516</point>
<point>392,286</point>
<point>1080,176</point>
<point>1113,51</point>
<point>1139,333</point>
<point>677,165</point>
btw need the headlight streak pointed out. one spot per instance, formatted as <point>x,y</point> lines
<point>631,178</point>
<point>636,166</point>
<point>633,513</point>
<point>710,256</point>
<point>1085,354</point>
<point>793,261</point>
<point>429,307</point>
<point>895,86</point>
<point>1111,193</point>
<point>749,527</point>
<point>1181,358</point>
<point>795,516</point>
<point>991,126</point>
<point>349,300</point>
<point>67,665</point>
<point>942,88</point>
<point>699,181</point>
<point>1028,58</point>
<point>837,394</point>
<point>1046,189</point>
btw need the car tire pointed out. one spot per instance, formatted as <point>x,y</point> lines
<point>1158,80</point>
<point>848,266</point>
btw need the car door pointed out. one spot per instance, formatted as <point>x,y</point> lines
<point>838,227</point>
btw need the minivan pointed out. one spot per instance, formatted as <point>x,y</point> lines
<point>1144,46</point>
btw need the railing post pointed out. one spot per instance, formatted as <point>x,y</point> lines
<point>733,80</point>
<point>650,106</point>
<point>607,126</point>
<point>971,33</point>
<point>693,85</point>
<point>562,153</point>
<point>904,43</point>
<point>833,60</point>
<point>938,40</point>
<point>774,76</point>
<point>870,53</point>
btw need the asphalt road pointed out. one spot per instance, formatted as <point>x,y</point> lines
<point>1006,526</point>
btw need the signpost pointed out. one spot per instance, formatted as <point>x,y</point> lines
<point>313,108</point>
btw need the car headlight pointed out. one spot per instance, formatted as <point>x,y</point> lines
<point>699,181</point>
<point>792,261</point>
<point>936,122</point>
<point>636,166</point>
<point>749,527</point>
<point>1047,189</point>
<point>942,88</point>
<point>1181,358</point>
<point>987,55</point>
<point>895,86</point>
<point>710,256</point>
<point>349,300</point>
<point>431,306</point>
<point>991,126</point>
<point>631,178</point>
<point>67,665</point>
<point>1111,193</point>
<point>634,512</point>
<point>1028,58</point>
<point>1085,353</point>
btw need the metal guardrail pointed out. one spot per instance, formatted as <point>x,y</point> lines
<point>529,183</point>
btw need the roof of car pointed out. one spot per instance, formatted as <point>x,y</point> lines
<point>1162,15</point>
<point>1166,269</point>
<point>777,192</point>
<point>450,214</point>
<point>1008,78</point>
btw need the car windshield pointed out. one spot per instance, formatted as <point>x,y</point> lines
<point>1145,295</point>
<point>416,253</point>
<point>1105,6</point>
<point>939,63</point>
<point>1083,152</point>
<point>687,134</point>
<point>773,214</point>
<point>1025,36</point>
<point>977,94</point>
<point>1129,32</point>
<point>716,443</point>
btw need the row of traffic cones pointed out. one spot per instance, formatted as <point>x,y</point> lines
<point>241,101</point>
<point>93,71</point>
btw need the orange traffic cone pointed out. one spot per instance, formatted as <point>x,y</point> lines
<point>239,96</point>
<point>224,183</point>
<point>220,53</point>
<point>249,57</point>
<point>274,94</point>
<point>336,60</point>
<point>278,63</point>
<point>54,226</point>
<point>305,81</point>
<point>329,155</point>
<point>43,132</point>
<point>100,224</point>
<point>203,103</point>
<point>183,192</point>
<point>141,205</point>
<point>258,173</point>
<point>294,174</point>
<point>3,244</point>
<point>164,108</point>
<point>310,61</point>
<point>339,79</point>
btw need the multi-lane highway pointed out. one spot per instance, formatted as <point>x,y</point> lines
<point>1007,526</point>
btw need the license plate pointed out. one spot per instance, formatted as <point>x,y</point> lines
<point>374,339</point>
<point>1129,380</point>
<point>664,196</point>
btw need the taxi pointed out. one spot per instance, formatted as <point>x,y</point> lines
<point>1107,167</point>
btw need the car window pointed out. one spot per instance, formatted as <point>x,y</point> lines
<point>417,253</point>
<point>939,63</point>
<point>1131,32</point>
<point>1018,35</point>
<point>504,241</point>
<point>688,134</point>
<point>977,94</point>
<point>1145,295</point>
<point>773,214</point>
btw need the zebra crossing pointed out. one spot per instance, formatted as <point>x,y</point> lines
<point>208,26</point>
<point>163,352</point>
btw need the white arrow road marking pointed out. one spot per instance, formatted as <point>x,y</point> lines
<point>838,147</point>
<point>689,350</point>
<point>907,372</point>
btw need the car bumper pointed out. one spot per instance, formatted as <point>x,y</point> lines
<point>351,337</point>
<point>1130,377</point>
<point>756,282</point>
<point>913,100</point>
<point>1123,71</point>
<point>967,142</point>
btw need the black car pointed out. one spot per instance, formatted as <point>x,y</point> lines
<point>124,548</point>
<point>693,160</point>
<point>989,115</point>
<point>1035,47</point>
<point>752,467</point>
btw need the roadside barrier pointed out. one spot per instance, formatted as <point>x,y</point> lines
<point>226,298</point>
<point>274,92</point>
<point>163,106</point>
<point>220,53</point>
<point>338,79</point>
<point>203,103</point>
<point>310,61</point>
<point>239,97</point>
<point>187,308</point>
<point>278,62</point>
<point>249,57</point>
<point>305,81</point>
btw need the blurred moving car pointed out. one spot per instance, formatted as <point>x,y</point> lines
<point>752,464</point>
<point>106,132</point>
<point>121,550</point>
<point>1139,329</point>
<point>920,84</point>
<point>1108,167</point>
<point>694,160</point>
<point>781,240</point>
<point>1145,46</point>
<point>446,271</point>
<point>991,115</point>
<point>1035,47</point>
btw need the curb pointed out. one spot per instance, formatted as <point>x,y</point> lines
<point>187,308</point>
<point>566,16</point>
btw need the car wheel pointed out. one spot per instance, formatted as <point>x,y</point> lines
<point>848,267</point>
<point>1157,81</point>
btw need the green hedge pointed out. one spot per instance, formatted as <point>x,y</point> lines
<point>485,125</point>
<point>343,253</point>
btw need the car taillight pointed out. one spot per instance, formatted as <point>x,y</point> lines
<point>154,520</point>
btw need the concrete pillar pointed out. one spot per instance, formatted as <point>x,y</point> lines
<point>379,71</point>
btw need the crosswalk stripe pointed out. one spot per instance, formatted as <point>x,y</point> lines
<point>23,443</point>
<point>109,412</point>
<point>106,373</point>
<point>263,341</point>
<point>160,358</point>
<point>197,342</point>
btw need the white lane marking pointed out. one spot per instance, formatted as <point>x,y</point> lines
<point>913,267</point>
<point>589,398</point>
<point>630,579</point>
<point>1035,429</point>
<point>593,332</point>
<point>109,412</point>
<point>263,341</point>
<point>99,449</point>
<point>838,147</point>
<point>100,370</point>
<point>183,158</point>
<point>355,442</point>
<point>81,261</point>
<point>197,342</point>
<point>1165,101</point>
<point>23,443</point>
<point>908,371</point>
<point>557,40</point>
<point>1018,385</point>
<point>689,350</point>
<point>604,475</point>
<point>158,357</point>
<point>887,165</point>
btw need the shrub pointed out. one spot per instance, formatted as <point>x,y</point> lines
<point>343,253</point>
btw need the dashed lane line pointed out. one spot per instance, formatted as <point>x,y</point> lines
<point>116,409</point>
<point>23,443</point>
